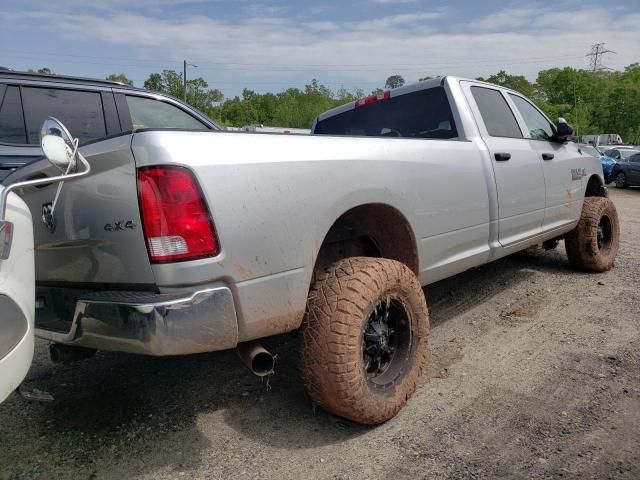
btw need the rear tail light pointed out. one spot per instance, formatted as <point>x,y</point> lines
<point>378,97</point>
<point>176,221</point>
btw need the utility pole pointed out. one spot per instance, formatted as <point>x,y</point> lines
<point>596,54</point>
<point>575,106</point>
<point>184,78</point>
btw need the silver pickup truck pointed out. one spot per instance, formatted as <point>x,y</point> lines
<point>186,240</point>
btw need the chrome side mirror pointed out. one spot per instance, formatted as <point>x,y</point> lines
<point>58,145</point>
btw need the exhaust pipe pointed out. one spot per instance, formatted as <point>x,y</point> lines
<point>256,358</point>
<point>66,354</point>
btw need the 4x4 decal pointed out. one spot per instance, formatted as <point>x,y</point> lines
<point>120,226</point>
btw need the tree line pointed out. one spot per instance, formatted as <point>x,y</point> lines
<point>592,102</point>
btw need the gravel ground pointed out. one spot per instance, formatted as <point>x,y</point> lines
<point>534,373</point>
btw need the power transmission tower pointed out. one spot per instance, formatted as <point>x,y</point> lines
<point>596,54</point>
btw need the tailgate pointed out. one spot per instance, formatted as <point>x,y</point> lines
<point>97,241</point>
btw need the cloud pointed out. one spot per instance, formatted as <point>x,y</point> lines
<point>416,19</point>
<point>385,2</point>
<point>261,9</point>
<point>509,19</point>
<point>68,5</point>
<point>258,48</point>
<point>323,26</point>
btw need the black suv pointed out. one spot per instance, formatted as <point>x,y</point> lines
<point>92,110</point>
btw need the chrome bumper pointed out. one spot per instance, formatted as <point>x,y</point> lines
<point>152,324</point>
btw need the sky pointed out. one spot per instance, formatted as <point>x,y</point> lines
<point>271,46</point>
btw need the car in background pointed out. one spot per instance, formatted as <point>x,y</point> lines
<point>607,162</point>
<point>621,152</point>
<point>626,172</point>
<point>92,109</point>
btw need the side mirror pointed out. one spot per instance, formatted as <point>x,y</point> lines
<point>58,145</point>
<point>563,130</point>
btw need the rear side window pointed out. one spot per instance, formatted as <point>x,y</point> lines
<point>421,114</point>
<point>150,113</point>
<point>80,111</point>
<point>496,114</point>
<point>538,126</point>
<point>11,120</point>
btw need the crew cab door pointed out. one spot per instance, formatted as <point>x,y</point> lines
<point>517,165</point>
<point>562,166</point>
<point>17,295</point>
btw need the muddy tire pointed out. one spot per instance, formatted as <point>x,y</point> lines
<point>364,338</point>
<point>593,244</point>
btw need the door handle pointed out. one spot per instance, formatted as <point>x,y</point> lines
<point>547,156</point>
<point>502,157</point>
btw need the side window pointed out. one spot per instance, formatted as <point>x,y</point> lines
<point>626,155</point>
<point>635,158</point>
<point>80,111</point>
<point>496,114</point>
<point>11,120</point>
<point>539,127</point>
<point>150,113</point>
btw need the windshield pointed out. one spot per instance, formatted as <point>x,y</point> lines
<point>590,151</point>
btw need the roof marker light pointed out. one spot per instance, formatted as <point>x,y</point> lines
<point>378,97</point>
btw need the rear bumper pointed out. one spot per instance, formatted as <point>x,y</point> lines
<point>152,324</point>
